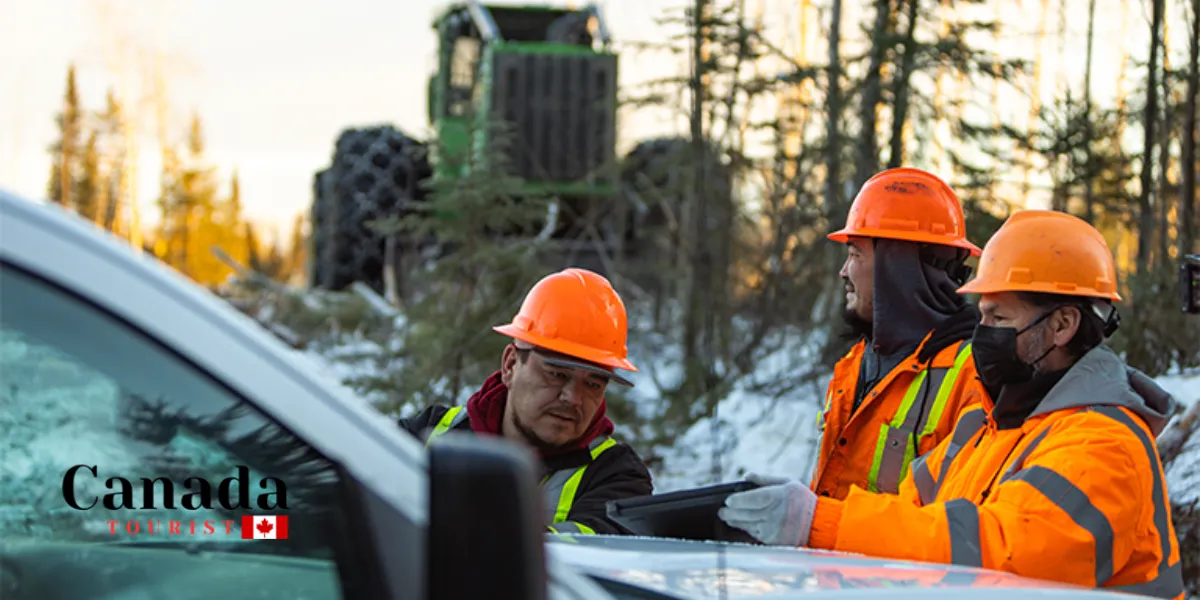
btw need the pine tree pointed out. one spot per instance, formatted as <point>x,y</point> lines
<point>112,153</point>
<point>88,188</point>
<point>228,227</point>
<point>63,166</point>
<point>167,239</point>
<point>297,251</point>
<point>265,258</point>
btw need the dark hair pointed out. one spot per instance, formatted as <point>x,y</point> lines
<point>1091,327</point>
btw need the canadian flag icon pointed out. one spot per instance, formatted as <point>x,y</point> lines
<point>264,527</point>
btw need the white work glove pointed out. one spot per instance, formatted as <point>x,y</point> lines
<point>780,513</point>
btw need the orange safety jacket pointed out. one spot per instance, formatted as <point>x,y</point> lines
<point>915,402</point>
<point>1075,493</point>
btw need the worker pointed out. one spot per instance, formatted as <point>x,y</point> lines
<point>1055,476</point>
<point>897,393</point>
<point>568,340</point>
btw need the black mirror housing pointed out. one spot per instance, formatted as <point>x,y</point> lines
<point>485,537</point>
<point>1189,284</point>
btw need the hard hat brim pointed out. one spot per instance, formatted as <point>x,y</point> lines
<point>567,363</point>
<point>979,286</point>
<point>843,236</point>
<point>566,349</point>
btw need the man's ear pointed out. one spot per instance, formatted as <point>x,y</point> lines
<point>1064,324</point>
<point>508,364</point>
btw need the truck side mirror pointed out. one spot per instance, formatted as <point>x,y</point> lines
<point>1189,284</point>
<point>485,537</point>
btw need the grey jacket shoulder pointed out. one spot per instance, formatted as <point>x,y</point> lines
<point>1101,378</point>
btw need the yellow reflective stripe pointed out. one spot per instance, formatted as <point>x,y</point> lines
<point>914,388</point>
<point>933,417</point>
<point>823,413</point>
<point>910,453</point>
<point>570,527</point>
<point>598,450</point>
<point>880,448</point>
<point>567,497</point>
<point>444,423</point>
<point>943,395</point>
<point>897,420</point>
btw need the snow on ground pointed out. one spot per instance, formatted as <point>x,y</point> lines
<point>1185,386</point>
<point>1183,477</point>
<point>752,431</point>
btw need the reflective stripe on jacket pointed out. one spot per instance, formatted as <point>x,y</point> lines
<point>561,487</point>
<point>1075,494</point>
<point>908,413</point>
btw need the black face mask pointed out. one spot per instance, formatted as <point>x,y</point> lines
<point>996,359</point>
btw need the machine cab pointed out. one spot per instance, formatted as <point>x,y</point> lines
<point>543,74</point>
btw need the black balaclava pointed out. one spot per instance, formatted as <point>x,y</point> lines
<point>911,299</point>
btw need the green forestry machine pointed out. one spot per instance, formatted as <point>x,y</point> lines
<point>550,76</point>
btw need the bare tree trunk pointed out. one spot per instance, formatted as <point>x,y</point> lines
<point>833,115</point>
<point>867,160</point>
<point>1150,117</point>
<point>1122,62</point>
<point>836,206</point>
<point>900,87</point>
<point>1089,184</point>
<point>1165,195</point>
<point>1035,103</point>
<point>1187,200</point>
<point>698,274</point>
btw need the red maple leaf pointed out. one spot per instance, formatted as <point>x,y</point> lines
<point>264,527</point>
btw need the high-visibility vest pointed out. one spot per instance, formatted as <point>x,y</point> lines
<point>897,440</point>
<point>559,486</point>
<point>895,448</point>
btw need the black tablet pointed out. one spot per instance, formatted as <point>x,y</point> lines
<point>686,514</point>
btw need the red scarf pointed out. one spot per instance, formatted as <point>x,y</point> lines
<point>486,412</point>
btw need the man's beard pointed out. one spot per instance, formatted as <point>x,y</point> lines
<point>1035,355</point>
<point>532,438</point>
<point>856,327</point>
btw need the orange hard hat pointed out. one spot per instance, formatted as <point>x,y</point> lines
<point>1046,251</point>
<point>907,204</point>
<point>575,313</point>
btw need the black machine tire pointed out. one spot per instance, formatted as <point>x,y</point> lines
<point>654,179</point>
<point>376,173</point>
<point>318,249</point>
<point>655,183</point>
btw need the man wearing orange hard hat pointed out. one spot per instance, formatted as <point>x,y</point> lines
<point>898,391</point>
<point>1055,475</point>
<point>568,340</point>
